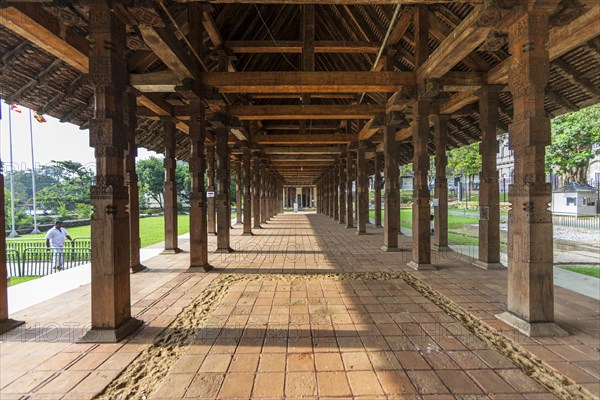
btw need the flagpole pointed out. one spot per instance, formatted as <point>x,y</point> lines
<point>35,226</point>
<point>13,232</point>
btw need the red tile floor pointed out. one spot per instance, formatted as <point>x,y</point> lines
<point>306,309</point>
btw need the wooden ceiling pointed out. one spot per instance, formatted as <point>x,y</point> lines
<point>297,82</point>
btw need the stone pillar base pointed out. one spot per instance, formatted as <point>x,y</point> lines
<point>349,226</point>
<point>436,247</point>
<point>137,268</point>
<point>390,249</point>
<point>486,265</point>
<point>171,251</point>
<point>341,222</point>
<point>9,324</point>
<point>247,234</point>
<point>200,268</point>
<point>532,329</point>
<point>361,233</point>
<point>224,250</point>
<point>97,335</point>
<point>378,226</point>
<point>421,266</point>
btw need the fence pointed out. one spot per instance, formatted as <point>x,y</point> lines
<point>574,221</point>
<point>32,258</point>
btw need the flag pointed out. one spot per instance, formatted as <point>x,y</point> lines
<point>38,117</point>
<point>15,108</point>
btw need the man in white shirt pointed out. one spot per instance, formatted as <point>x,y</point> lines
<point>55,239</point>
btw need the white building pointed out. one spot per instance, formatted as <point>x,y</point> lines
<point>574,199</point>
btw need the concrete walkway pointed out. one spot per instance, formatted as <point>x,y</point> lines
<point>304,309</point>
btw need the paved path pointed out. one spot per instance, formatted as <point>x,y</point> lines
<point>303,309</point>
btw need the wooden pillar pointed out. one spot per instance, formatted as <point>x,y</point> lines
<point>362,190</point>
<point>131,181</point>
<point>198,200</point>
<point>391,199</point>
<point>440,206</point>
<point>247,191</point>
<point>263,191</point>
<point>377,184</point>
<point>336,192</point>
<point>331,194</point>
<point>238,191</point>
<point>530,253</point>
<point>223,198</point>
<point>110,287</point>
<point>6,324</point>
<point>256,192</point>
<point>489,191</point>
<point>342,180</point>
<point>421,216</point>
<point>210,172</point>
<point>170,191</point>
<point>349,197</point>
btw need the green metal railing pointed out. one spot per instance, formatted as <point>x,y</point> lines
<point>32,258</point>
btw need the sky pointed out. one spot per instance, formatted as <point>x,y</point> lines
<point>52,140</point>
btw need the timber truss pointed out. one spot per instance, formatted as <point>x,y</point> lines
<point>297,81</point>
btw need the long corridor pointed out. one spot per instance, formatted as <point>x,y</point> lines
<point>305,308</point>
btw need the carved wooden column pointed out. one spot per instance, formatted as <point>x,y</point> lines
<point>331,194</point>
<point>342,180</point>
<point>421,217</point>
<point>238,191</point>
<point>170,191</point>
<point>6,324</point>
<point>247,191</point>
<point>210,171</point>
<point>263,191</point>
<point>440,236</point>
<point>110,286</point>
<point>198,200</point>
<point>362,190</point>
<point>489,191</point>
<point>336,192</point>
<point>256,191</point>
<point>131,181</point>
<point>377,184</point>
<point>223,198</point>
<point>349,197</point>
<point>391,197</point>
<point>530,251</point>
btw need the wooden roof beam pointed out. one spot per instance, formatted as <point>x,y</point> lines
<point>304,139</point>
<point>338,2</point>
<point>461,42</point>
<point>295,47</point>
<point>301,112</point>
<point>164,43</point>
<point>294,150</point>
<point>44,30</point>
<point>562,39</point>
<point>214,35</point>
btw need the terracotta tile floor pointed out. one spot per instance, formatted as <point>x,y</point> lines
<point>284,327</point>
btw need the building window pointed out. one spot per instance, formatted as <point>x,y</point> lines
<point>571,201</point>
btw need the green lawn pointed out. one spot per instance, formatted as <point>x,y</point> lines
<point>455,222</point>
<point>585,270</point>
<point>16,280</point>
<point>151,230</point>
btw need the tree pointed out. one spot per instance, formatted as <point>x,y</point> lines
<point>573,138</point>
<point>465,161</point>
<point>72,185</point>
<point>151,177</point>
